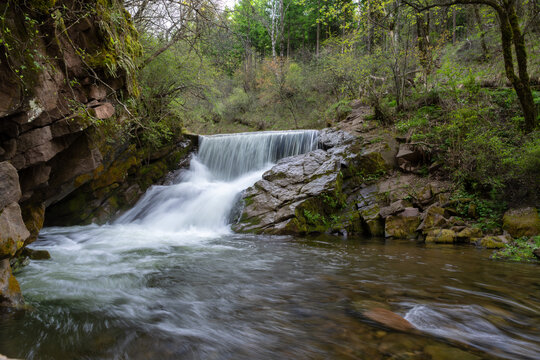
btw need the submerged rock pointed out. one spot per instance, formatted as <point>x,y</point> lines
<point>388,319</point>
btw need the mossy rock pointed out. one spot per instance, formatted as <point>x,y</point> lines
<point>491,242</point>
<point>402,225</point>
<point>441,236</point>
<point>468,234</point>
<point>522,222</point>
<point>371,220</point>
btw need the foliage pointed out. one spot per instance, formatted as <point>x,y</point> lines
<point>485,213</point>
<point>519,250</point>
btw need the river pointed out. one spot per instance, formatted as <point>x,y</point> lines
<point>169,280</point>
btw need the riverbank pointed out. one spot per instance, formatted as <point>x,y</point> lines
<point>370,181</point>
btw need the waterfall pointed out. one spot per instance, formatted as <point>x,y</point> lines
<point>202,197</point>
<point>231,155</point>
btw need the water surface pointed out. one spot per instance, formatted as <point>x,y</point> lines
<point>253,297</point>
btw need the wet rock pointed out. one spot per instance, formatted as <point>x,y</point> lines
<point>388,319</point>
<point>10,291</point>
<point>536,252</point>
<point>522,222</point>
<point>403,225</point>
<point>445,352</point>
<point>491,242</point>
<point>36,254</point>
<point>13,232</point>
<point>440,236</point>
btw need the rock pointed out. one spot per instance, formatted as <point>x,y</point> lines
<point>371,220</point>
<point>440,236</point>
<point>394,208</point>
<point>97,92</point>
<point>433,218</point>
<point>34,138</point>
<point>403,225</point>
<point>468,233</point>
<point>9,184</point>
<point>536,252</point>
<point>36,254</point>
<point>10,291</point>
<point>491,242</point>
<point>388,319</point>
<point>445,352</point>
<point>410,157</point>
<point>34,216</point>
<point>296,196</point>
<point>13,232</point>
<point>103,111</point>
<point>522,222</point>
<point>329,138</point>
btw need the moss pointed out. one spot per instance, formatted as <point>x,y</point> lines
<point>43,6</point>
<point>248,200</point>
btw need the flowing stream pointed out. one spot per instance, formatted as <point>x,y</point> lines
<point>169,280</point>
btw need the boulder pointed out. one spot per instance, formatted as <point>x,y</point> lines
<point>10,189</point>
<point>403,225</point>
<point>491,242</point>
<point>13,232</point>
<point>10,291</point>
<point>468,233</point>
<point>441,236</point>
<point>522,222</point>
<point>433,218</point>
<point>371,220</point>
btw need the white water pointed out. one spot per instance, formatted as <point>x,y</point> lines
<point>202,198</point>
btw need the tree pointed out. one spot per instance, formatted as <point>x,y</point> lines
<point>511,35</point>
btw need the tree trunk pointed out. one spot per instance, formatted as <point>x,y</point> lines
<point>485,51</point>
<point>453,26</point>
<point>523,88</point>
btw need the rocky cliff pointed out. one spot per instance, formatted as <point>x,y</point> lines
<point>65,66</point>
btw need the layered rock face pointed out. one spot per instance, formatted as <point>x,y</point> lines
<point>358,185</point>
<point>317,191</point>
<point>64,65</point>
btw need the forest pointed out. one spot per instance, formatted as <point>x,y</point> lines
<point>269,179</point>
<point>460,76</point>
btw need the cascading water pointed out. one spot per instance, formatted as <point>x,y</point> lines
<point>168,280</point>
<point>202,198</point>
